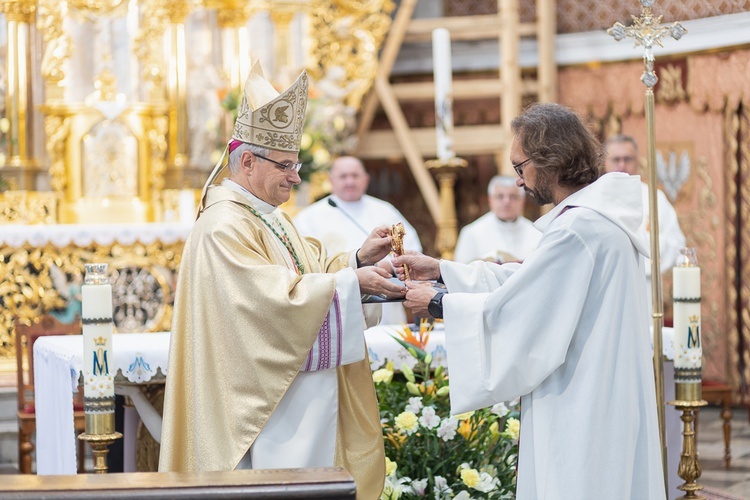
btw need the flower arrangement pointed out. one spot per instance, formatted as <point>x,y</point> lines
<point>430,453</point>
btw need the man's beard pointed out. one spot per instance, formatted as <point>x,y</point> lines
<point>542,194</point>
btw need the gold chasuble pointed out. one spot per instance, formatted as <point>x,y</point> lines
<point>235,350</point>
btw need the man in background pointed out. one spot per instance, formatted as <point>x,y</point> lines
<point>622,156</point>
<point>503,234</point>
<point>343,220</point>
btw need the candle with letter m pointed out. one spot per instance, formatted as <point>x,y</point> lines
<point>98,379</point>
<point>687,326</point>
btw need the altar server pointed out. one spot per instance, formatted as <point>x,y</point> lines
<point>343,220</point>
<point>267,365</point>
<point>503,234</point>
<point>566,330</point>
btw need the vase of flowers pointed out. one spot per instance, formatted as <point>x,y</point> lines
<point>430,453</point>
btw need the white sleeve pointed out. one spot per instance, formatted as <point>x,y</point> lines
<point>503,344</point>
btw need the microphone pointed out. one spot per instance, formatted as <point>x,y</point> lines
<point>335,205</point>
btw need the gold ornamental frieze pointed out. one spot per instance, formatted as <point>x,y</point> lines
<point>97,7</point>
<point>46,279</point>
<point>21,11</point>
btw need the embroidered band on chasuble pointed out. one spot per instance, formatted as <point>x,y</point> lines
<point>269,119</point>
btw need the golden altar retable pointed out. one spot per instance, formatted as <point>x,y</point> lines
<point>42,269</point>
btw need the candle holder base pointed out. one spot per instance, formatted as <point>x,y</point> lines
<point>689,468</point>
<point>100,444</point>
<point>451,163</point>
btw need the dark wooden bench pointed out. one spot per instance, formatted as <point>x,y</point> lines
<point>322,483</point>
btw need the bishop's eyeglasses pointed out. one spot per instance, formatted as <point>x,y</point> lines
<point>284,167</point>
<point>517,167</point>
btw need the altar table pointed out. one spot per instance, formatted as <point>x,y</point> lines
<point>138,358</point>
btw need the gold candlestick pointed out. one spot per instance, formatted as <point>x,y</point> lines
<point>689,468</point>
<point>446,171</point>
<point>648,31</point>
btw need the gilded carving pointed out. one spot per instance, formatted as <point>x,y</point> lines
<point>59,46</point>
<point>148,45</point>
<point>21,11</point>
<point>57,129</point>
<point>28,207</point>
<point>670,88</point>
<point>349,34</point>
<point>28,290</point>
<point>100,7</point>
<point>731,167</point>
<point>743,127</point>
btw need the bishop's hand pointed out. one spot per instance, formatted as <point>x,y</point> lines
<point>375,280</point>
<point>421,267</point>
<point>376,246</point>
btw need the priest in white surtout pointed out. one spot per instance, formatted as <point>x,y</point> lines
<point>566,330</point>
<point>503,234</point>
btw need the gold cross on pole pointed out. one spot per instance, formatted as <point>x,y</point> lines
<point>647,31</point>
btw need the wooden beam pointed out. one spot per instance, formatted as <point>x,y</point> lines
<point>462,28</point>
<point>462,89</point>
<point>469,141</point>
<point>385,64</point>
<point>411,153</point>
<point>546,31</point>
<point>510,73</point>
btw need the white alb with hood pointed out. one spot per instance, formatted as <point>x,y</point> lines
<point>567,331</point>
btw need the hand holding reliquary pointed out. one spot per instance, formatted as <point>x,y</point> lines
<point>397,243</point>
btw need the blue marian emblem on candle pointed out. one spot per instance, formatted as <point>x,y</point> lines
<point>101,365</point>
<point>694,333</point>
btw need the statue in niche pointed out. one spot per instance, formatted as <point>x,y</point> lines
<point>110,161</point>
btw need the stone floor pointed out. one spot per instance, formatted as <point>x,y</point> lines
<point>735,481</point>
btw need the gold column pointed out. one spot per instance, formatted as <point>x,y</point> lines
<point>510,74</point>
<point>177,12</point>
<point>232,16</point>
<point>18,101</point>
<point>281,17</point>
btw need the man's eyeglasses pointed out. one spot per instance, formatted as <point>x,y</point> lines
<point>517,167</point>
<point>284,167</point>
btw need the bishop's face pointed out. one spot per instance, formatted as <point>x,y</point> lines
<point>267,180</point>
<point>536,183</point>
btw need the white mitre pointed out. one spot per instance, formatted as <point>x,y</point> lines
<point>269,119</point>
<point>265,118</point>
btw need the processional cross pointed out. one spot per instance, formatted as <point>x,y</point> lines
<point>648,31</point>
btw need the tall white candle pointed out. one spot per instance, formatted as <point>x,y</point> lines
<point>687,318</point>
<point>443,74</point>
<point>96,298</point>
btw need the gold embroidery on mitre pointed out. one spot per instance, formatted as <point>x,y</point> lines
<point>270,119</point>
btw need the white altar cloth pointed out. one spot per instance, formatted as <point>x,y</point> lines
<point>58,361</point>
<point>61,235</point>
